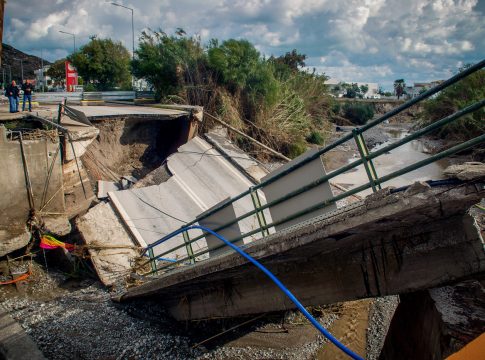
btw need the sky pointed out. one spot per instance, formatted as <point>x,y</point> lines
<point>349,40</point>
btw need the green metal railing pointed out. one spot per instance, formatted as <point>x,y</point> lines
<point>366,159</point>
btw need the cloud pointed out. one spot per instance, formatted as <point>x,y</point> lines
<point>357,40</point>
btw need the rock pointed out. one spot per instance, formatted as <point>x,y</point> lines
<point>417,188</point>
<point>467,171</point>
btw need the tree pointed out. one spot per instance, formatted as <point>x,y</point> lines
<point>288,64</point>
<point>165,61</point>
<point>363,89</point>
<point>399,86</point>
<point>57,71</point>
<point>104,63</point>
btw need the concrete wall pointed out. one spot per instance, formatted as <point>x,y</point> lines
<point>40,156</point>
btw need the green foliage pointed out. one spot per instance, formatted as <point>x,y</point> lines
<point>456,97</point>
<point>316,138</point>
<point>358,113</point>
<point>164,60</point>
<point>238,65</point>
<point>399,86</point>
<point>296,149</point>
<point>57,71</point>
<point>104,62</point>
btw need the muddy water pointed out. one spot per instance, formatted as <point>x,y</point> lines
<point>397,159</point>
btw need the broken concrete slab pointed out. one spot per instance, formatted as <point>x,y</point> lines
<point>33,183</point>
<point>467,171</point>
<point>106,186</point>
<point>112,250</point>
<point>246,164</point>
<point>201,178</point>
<point>297,179</point>
<point>405,244</point>
<point>15,344</point>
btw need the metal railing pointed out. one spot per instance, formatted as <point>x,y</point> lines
<point>366,159</point>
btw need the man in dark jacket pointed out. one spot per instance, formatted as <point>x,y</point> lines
<point>12,92</point>
<point>27,88</point>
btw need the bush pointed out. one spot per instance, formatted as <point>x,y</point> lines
<point>316,138</point>
<point>296,149</point>
<point>358,113</point>
<point>456,97</point>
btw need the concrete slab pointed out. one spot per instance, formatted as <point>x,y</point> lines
<point>116,111</point>
<point>302,176</point>
<point>201,179</point>
<point>15,344</point>
<point>106,186</point>
<point>112,250</point>
<point>386,245</point>
<point>241,160</point>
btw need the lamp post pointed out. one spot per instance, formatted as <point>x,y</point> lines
<point>132,27</point>
<point>73,36</point>
<point>132,36</point>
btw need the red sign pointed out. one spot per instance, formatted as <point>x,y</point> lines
<point>71,77</point>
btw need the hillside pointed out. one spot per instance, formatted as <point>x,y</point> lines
<point>30,63</point>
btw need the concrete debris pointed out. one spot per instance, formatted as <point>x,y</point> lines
<point>15,344</point>
<point>467,171</point>
<point>106,186</point>
<point>417,188</point>
<point>201,178</point>
<point>111,249</point>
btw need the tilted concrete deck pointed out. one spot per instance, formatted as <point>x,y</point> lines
<point>387,244</point>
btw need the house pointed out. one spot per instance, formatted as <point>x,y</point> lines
<point>41,78</point>
<point>419,87</point>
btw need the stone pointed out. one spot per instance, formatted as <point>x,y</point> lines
<point>467,171</point>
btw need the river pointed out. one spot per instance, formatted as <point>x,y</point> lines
<point>397,159</point>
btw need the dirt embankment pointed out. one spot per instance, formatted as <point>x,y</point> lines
<point>129,147</point>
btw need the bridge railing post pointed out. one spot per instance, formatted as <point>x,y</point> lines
<point>259,213</point>
<point>188,246</point>
<point>368,163</point>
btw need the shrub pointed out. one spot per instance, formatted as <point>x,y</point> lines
<point>358,113</point>
<point>456,97</point>
<point>316,138</point>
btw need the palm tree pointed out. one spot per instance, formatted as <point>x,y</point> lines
<point>399,86</point>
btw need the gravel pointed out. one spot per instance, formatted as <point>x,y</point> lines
<point>86,324</point>
<point>381,314</point>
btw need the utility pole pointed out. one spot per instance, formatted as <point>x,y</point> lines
<point>2,12</point>
<point>42,67</point>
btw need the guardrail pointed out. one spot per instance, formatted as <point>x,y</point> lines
<point>366,159</point>
<point>56,97</point>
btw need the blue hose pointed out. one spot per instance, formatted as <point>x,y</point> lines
<point>268,273</point>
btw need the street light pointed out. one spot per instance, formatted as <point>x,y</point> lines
<point>132,38</point>
<point>132,27</point>
<point>73,36</point>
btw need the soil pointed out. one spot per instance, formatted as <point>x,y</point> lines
<point>129,147</point>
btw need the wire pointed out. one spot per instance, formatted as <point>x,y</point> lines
<point>273,278</point>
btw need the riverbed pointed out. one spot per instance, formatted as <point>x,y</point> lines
<point>405,155</point>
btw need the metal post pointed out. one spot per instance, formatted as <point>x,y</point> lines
<point>132,37</point>
<point>259,213</point>
<point>153,263</point>
<point>22,69</point>
<point>368,164</point>
<point>190,251</point>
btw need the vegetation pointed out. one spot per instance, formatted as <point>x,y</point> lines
<point>273,99</point>
<point>358,113</point>
<point>103,63</point>
<point>399,87</point>
<point>57,71</point>
<point>456,97</point>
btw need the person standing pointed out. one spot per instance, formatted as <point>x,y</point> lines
<point>12,92</point>
<point>27,88</point>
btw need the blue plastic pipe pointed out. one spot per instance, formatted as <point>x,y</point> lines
<point>268,273</point>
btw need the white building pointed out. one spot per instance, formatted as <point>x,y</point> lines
<point>372,92</point>
<point>41,78</point>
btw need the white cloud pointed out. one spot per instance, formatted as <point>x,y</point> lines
<point>368,39</point>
